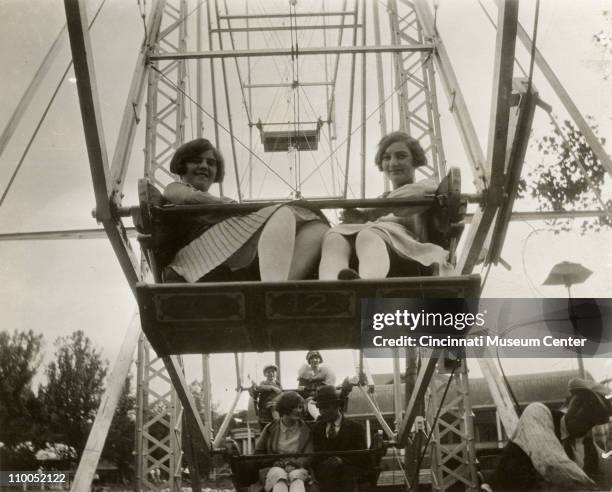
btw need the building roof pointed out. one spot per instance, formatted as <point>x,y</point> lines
<point>544,387</point>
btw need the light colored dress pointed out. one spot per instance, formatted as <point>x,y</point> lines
<point>403,231</point>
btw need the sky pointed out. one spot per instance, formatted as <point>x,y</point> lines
<point>56,287</point>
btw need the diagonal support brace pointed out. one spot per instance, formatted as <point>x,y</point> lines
<point>94,137</point>
<point>420,387</point>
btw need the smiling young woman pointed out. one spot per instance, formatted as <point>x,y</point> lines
<point>386,237</point>
<point>285,240</point>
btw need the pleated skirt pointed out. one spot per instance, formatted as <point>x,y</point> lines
<point>232,241</point>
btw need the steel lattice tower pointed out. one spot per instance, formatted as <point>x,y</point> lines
<point>164,133</point>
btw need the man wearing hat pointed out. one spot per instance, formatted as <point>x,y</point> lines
<point>333,432</point>
<point>554,450</point>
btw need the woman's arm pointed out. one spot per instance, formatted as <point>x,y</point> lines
<point>181,194</point>
<point>412,190</point>
<point>415,190</point>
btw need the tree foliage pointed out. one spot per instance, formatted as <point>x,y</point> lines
<point>72,394</point>
<point>569,177</point>
<point>19,360</point>
<point>119,446</point>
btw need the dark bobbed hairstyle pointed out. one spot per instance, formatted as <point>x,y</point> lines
<point>418,154</point>
<point>313,353</point>
<point>287,402</point>
<point>190,152</point>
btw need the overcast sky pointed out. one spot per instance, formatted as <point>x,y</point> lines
<point>56,287</point>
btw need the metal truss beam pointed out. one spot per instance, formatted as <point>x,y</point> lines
<point>457,103</point>
<point>499,393</point>
<point>419,115</point>
<point>520,123</point>
<point>33,86</point>
<point>132,233</point>
<point>97,435</point>
<point>453,463</point>
<point>158,425</point>
<point>287,28</point>
<point>165,100</point>
<point>321,50</point>
<point>88,98</point>
<point>94,136</point>
<point>133,105</point>
<point>292,84</point>
<point>566,100</point>
<point>175,371</point>
<point>420,387</point>
<point>286,16</point>
<point>498,136</point>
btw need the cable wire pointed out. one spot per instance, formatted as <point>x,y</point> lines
<point>43,117</point>
<point>492,22</point>
<point>359,127</point>
<point>201,108</point>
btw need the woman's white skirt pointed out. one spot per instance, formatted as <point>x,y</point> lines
<point>399,239</point>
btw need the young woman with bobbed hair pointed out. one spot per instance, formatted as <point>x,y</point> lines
<point>286,240</point>
<point>385,238</point>
<point>288,434</point>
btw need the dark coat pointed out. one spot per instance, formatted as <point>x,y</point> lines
<point>351,437</point>
<point>354,473</point>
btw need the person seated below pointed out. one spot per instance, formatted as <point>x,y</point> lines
<point>285,239</point>
<point>554,450</point>
<point>379,241</point>
<point>333,432</point>
<point>314,374</point>
<point>265,393</point>
<point>288,434</point>
<point>311,376</point>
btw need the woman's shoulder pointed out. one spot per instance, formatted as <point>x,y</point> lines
<point>175,191</point>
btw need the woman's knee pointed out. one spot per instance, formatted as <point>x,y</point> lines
<point>334,240</point>
<point>368,238</point>
<point>274,475</point>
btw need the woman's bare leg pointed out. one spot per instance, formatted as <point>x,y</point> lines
<point>335,256</point>
<point>374,261</point>
<point>307,249</point>
<point>297,486</point>
<point>280,486</point>
<point>276,245</point>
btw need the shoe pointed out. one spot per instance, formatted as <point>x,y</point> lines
<point>348,274</point>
